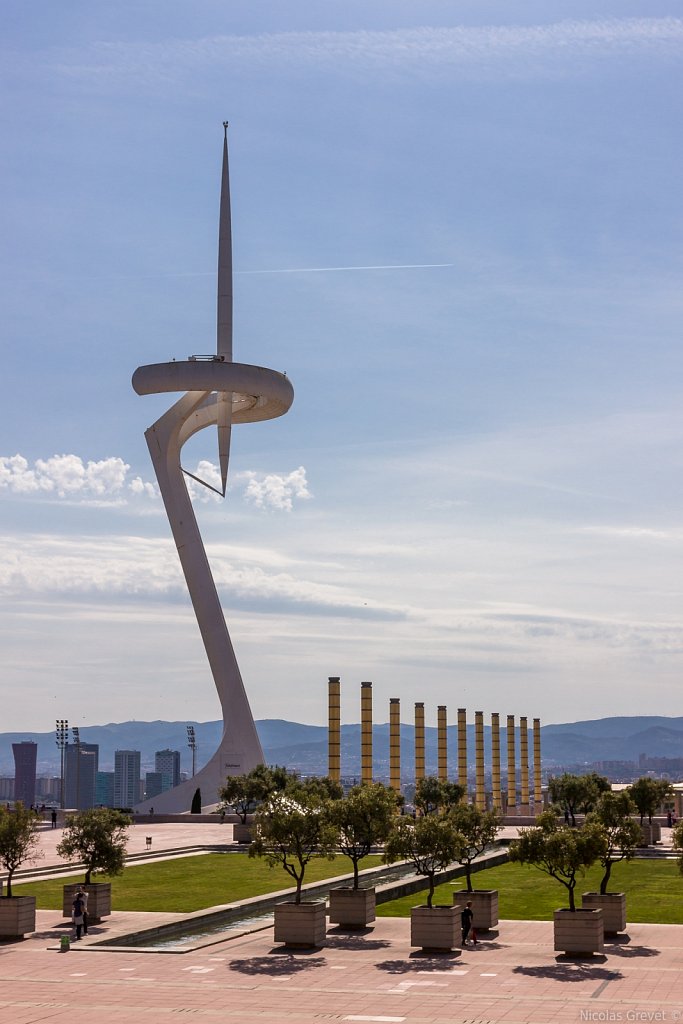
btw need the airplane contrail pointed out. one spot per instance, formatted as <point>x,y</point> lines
<point>323,270</point>
<point>284,270</point>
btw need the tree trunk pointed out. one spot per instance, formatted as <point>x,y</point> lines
<point>430,894</point>
<point>468,877</point>
<point>572,905</point>
<point>355,874</point>
<point>605,878</point>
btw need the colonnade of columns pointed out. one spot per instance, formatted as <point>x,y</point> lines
<point>517,796</point>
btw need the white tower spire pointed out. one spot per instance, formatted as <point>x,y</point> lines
<point>224,317</point>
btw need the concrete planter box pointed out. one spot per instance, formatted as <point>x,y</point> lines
<point>613,905</point>
<point>484,907</point>
<point>436,929</point>
<point>352,908</point>
<point>242,833</point>
<point>650,834</point>
<point>579,931</point>
<point>99,900</point>
<point>301,924</point>
<point>17,916</point>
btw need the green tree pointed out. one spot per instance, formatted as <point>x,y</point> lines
<point>18,839</point>
<point>432,795</point>
<point>577,793</point>
<point>364,819</point>
<point>476,829</point>
<point>613,812</point>
<point>246,792</point>
<point>561,852</point>
<point>321,787</point>
<point>429,843</point>
<point>649,794</point>
<point>291,828</point>
<point>677,842</point>
<point>97,838</point>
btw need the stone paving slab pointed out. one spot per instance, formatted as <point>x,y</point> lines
<point>511,976</point>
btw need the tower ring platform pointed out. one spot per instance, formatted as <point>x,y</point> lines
<point>258,393</point>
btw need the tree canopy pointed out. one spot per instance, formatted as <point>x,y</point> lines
<point>613,812</point>
<point>18,839</point>
<point>649,794</point>
<point>476,830</point>
<point>430,843</point>
<point>292,827</point>
<point>432,795</point>
<point>577,794</point>
<point>246,792</point>
<point>364,819</point>
<point>96,837</point>
<point>563,853</point>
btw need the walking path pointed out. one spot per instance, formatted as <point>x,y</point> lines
<point>512,976</point>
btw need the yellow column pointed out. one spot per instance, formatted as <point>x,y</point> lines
<point>395,743</point>
<point>495,761</point>
<point>366,732</point>
<point>524,761</point>
<point>480,793</point>
<point>462,750</point>
<point>442,741</point>
<point>419,741</point>
<point>512,780</point>
<point>333,729</point>
<point>538,794</point>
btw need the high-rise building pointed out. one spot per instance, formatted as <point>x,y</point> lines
<point>81,761</point>
<point>168,763</point>
<point>48,787</point>
<point>25,758</point>
<point>7,788</point>
<point>154,784</point>
<point>104,789</point>
<point>126,778</point>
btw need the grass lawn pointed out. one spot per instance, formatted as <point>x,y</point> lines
<point>191,883</point>
<point>653,892</point>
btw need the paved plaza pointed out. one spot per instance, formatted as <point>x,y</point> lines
<point>512,976</point>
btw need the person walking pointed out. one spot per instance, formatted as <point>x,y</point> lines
<point>77,914</point>
<point>466,918</point>
<point>83,894</point>
<point>53,818</point>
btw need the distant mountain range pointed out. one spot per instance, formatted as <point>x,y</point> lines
<point>304,747</point>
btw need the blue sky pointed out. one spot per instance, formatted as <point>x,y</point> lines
<point>475,498</point>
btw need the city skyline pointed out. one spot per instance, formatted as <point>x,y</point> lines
<point>458,231</point>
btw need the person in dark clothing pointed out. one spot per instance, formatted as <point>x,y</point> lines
<point>466,918</point>
<point>77,915</point>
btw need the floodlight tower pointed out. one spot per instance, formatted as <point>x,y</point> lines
<point>62,741</point>
<point>218,393</point>
<point>192,744</point>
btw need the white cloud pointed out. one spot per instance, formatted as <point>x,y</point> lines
<point>142,487</point>
<point>495,50</point>
<point>130,566</point>
<point>92,483</point>
<point>275,490</point>
<point>63,476</point>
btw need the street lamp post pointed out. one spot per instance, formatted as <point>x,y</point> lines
<point>77,743</point>
<point>62,741</point>
<point>192,744</point>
